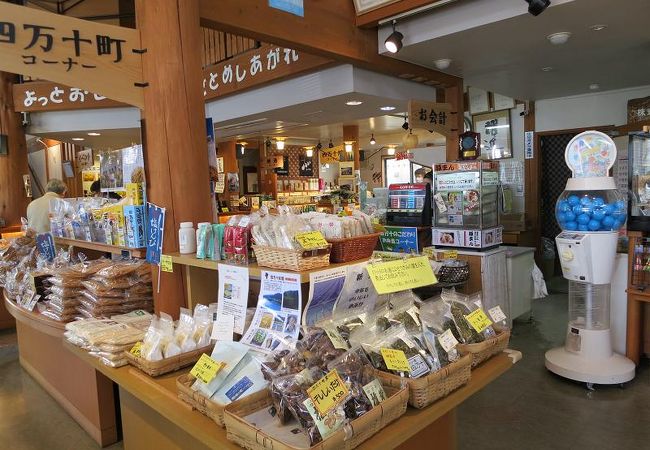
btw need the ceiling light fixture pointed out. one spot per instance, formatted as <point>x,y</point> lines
<point>405,125</point>
<point>348,147</point>
<point>594,86</point>
<point>330,145</point>
<point>279,143</point>
<point>309,151</point>
<point>387,108</point>
<point>354,102</point>
<point>393,43</point>
<point>372,139</point>
<point>391,151</point>
<point>559,38</point>
<point>77,139</point>
<point>547,69</point>
<point>319,146</point>
<point>242,147</point>
<point>93,133</point>
<point>598,27</point>
<point>442,64</point>
<point>536,7</point>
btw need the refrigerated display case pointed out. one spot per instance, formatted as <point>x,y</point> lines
<point>639,182</point>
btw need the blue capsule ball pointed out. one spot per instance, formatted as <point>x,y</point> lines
<point>569,216</point>
<point>561,217</point>
<point>609,209</point>
<point>571,226</point>
<point>573,200</point>
<point>598,213</point>
<point>586,201</point>
<point>593,225</point>
<point>583,219</point>
<point>563,206</point>
<point>582,227</point>
<point>577,209</point>
<point>617,224</point>
<point>598,201</point>
<point>608,222</point>
<point>620,204</point>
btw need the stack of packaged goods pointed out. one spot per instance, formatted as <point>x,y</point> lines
<point>108,339</point>
<point>17,261</point>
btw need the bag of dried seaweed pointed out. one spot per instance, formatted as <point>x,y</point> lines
<point>463,309</point>
<point>439,331</point>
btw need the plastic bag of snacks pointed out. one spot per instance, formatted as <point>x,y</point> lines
<point>461,306</point>
<point>439,331</point>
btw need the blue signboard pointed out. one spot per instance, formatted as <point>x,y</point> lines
<point>296,7</point>
<point>45,245</point>
<point>399,239</point>
<point>155,230</point>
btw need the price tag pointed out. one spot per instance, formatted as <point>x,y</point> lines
<point>166,264</point>
<point>497,314</point>
<point>478,320</point>
<point>450,254</point>
<point>328,392</point>
<point>395,360</point>
<point>447,341</point>
<point>136,350</point>
<point>311,240</point>
<point>225,210</point>
<point>401,274</point>
<point>206,368</point>
<point>375,392</point>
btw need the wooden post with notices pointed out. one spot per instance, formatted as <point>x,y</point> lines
<point>454,95</point>
<point>176,155</point>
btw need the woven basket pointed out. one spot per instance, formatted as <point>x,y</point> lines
<point>167,365</point>
<point>484,350</point>
<point>453,274</point>
<point>295,260</point>
<point>197,401</point>
<point>426,390</point>
<point>247,435</point>
<point>351,249</point>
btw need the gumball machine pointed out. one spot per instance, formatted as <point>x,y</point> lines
<point>590,212</point>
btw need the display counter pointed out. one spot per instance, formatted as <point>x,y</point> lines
<point>99,247</point>
<point>154,417</point>
<point>86,394</point>
<point>477,261</point>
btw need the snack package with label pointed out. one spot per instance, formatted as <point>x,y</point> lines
<point>229,353</point>
<point>245,379</point>
<point>438,324</point>
<point>461,306</point>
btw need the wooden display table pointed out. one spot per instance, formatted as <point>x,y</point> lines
<point>154,417</point>
<point>102,248</point>
<point>82,391</point>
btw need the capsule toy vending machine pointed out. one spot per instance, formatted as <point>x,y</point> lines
<point>590,213</point>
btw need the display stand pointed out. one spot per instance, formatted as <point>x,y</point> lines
<point>154,417</point>
<point>83,392</point>
<point>636,299</point>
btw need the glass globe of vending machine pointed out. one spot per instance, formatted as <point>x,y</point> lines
<point>590,212</point>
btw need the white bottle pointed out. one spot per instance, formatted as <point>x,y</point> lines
<point>198,228</point>
<point>187,238</point>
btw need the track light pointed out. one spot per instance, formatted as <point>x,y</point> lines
<point>536,7</point>
<point>372,140</point>
<point>279,144</point>
<point>393,43</point>
<point>319,146</point>
<point>330,144</point>
<point>405,125</point>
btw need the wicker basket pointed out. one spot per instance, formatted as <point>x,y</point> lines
<point>352,249</point>
<point>484,350</point>
<point>454,274</point>
<point>167,365</point>
<point>247,435</point>
<point>197,401</point>
<point>295,260</point>
<point>426,390</point>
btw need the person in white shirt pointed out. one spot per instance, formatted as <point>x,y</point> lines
<point>38,210</point>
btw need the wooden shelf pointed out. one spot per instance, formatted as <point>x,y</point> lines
<point>114,249</point>
<point>254,271</point>
<point>34,320</point>
<point>161,395</point>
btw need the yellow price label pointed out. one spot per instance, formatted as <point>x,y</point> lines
<point>328,392</point>
<point>401,274</point>
<point>478,320</point>
<point>225,210</point>
<point>311,240</point>
<point>136,350</point>
<point>395,360</point>
<point>450,254</point>
<point>206,368</point>
<point>166,263</point>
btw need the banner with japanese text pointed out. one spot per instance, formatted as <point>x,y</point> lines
<point>155,232</point>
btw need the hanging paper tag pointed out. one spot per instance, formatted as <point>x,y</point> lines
<point>206,369</point>
<point>478,320</point>
<point>136,350</point>
<point>497,314</point>
<point>336,339</point>
<point>447,341</point>
<point>311,240</point>
<point>328,392</point>
<point>395,360</point>
<point>375,392</point>
<point>166,263</point>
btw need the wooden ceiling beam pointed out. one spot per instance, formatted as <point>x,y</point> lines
<point>328,30</point>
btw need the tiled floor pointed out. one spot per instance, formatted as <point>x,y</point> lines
<point>527,408</point>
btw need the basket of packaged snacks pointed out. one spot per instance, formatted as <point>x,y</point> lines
<point>196,400</point>
<point>482,351</point>
<point>292,259</point>
<point>352,249</point>
<point>167,365</point>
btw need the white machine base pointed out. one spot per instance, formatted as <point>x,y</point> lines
<point>615,369</point>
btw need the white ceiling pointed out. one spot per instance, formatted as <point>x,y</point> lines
<point>109,139</point>
<point>507,55</point>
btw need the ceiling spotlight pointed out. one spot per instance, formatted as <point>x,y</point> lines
<point>348,147</point>
<point>330,145</point>
<point>559,38</point>
<point>387,108</point>
<point>77,139</point>
<point>309,151</point>
<point>598,27</point>
<point>372,140</point>
<point>405,125</point>
<point>594,86</point>
<point>279,144</point>
<point>442,64</point>
<point>319,146</point>
<point>393,43</point>
<point>547,69</point>
<point>536,7</point>
<point>391,151</point>
<point>241,147</point>
<point>354,103</point>
<point>93,133</point>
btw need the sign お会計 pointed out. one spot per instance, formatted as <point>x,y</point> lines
<point>438,117</point>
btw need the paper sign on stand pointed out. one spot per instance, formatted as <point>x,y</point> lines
<point>223,328</point>
<point>358,295</point>
<point>233,294</point>
<point>402,274</point>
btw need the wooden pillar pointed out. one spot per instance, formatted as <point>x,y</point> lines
<point>176,155</point>
<point>351,134</point>
<point>13,165</point>
<point>455,96</point>
<point>532,197</point>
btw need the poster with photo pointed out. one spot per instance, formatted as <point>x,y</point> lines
<point>277,317</point>
<point>454,203</point>
<point>233,294</point>
<point>111,172</point>
<point>133,164</point>
<point>324,290</point>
